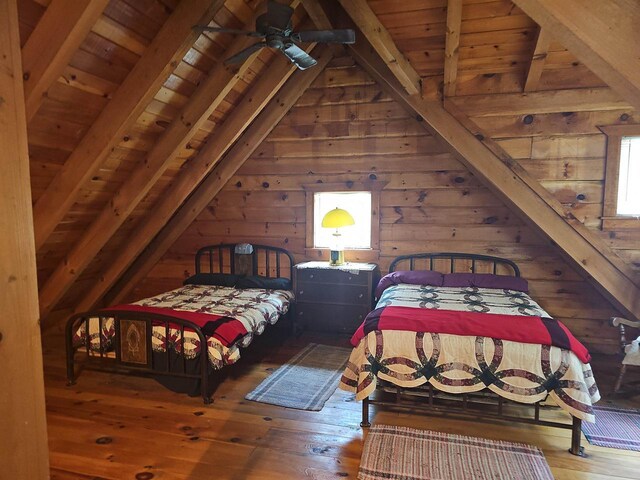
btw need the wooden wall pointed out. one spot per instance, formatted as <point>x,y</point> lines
<point>346,129</point>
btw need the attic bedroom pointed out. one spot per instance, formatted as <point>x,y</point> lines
<point>267,239</point>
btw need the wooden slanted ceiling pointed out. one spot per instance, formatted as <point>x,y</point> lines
<point>220,81</point>
<point>603,35</point>
<point>147,141</point>
<point>508,179</point>
<point>59,33</point>
<point>170,45</point>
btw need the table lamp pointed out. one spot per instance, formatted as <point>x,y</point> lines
<point>337,218</point>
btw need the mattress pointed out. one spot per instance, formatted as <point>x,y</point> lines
<point>518,371</point>
<point>229,317</point>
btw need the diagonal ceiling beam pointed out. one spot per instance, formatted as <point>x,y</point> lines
<point>368,23</point>
<point>512,183</point>
<point>538,60</point>
<point>166,50</point>
<point>209,95</point>
<point>603,35</point>
<point>59,33</point>
<point>266,91</point>
<point>452,42</point>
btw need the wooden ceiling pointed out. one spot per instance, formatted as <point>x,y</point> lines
<point>133,101</point>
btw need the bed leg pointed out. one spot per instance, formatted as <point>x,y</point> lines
<point>204,378</point>
<point>365,413</point>
<point>576,436</point>
<point>71,377</point>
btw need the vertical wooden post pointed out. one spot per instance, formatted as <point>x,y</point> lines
<point>23,437</point>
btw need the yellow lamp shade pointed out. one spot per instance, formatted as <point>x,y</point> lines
<point>337,218</point>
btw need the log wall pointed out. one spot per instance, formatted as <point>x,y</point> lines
<point>346,129</point>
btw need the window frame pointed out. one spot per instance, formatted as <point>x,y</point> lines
<point>611,219</point>
<point>374,187</point>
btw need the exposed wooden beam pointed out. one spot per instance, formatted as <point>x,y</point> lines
<point>380,39</point>
<point>603,35</point>
<point>505,177</point>
<point>221,80</point>
<point>214,182</point>
<point>242,116</point>
<point>452,42</point>
<point>551,101</point>
<point>23,443</point>
<point>59,33</point>
<point>538,59</point>
<point>161,57</point>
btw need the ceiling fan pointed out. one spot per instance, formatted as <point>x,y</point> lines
<point>276,29</point>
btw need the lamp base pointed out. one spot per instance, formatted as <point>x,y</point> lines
<point>336,257</point>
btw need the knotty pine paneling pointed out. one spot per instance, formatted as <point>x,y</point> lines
<point>430,203</point>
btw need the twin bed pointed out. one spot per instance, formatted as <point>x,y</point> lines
<point>438,340</point>
<point>237,291</point>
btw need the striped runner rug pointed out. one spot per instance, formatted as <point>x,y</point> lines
<point>614,428</point>
<point>306,381</point>
<point>401,453</point>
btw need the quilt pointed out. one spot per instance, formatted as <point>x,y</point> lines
<point>229,317</point>
<point>522,372</point>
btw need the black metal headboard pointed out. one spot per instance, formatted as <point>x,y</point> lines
<point>455,262</point>
<point>271,262</point>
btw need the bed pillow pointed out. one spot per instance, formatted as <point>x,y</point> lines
<point>218,279</point>
<point>413,277</point>
<point>485,280</point>
<point>258,281</point>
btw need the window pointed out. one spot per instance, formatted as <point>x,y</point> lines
<point>629,177</point>
<point>621,205</point>
<point>358,204</point>
<point>361,200</point>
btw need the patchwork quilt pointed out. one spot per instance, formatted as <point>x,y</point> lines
<point>229,318</point>
<point>468,362</point>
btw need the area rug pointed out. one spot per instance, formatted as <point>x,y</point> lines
<point>614,428</point>
<point>401,453</point>
<point>306,381</point>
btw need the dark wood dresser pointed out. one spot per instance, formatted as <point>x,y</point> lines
<point>334,299</point>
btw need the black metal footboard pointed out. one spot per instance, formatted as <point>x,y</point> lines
<point>480,405</point>
<point>125,344</point>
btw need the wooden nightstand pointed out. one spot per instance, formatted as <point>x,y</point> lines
<point>334,299</point>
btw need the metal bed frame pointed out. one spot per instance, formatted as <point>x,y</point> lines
<point>461,405</point>
<point>272,262</point>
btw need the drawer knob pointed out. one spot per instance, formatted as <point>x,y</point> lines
<point>350,278</point>
<point>311,276</point>
<point>361,295</point>
<point>300,292</point>
<point>300,314</point>
<point>359,317</point>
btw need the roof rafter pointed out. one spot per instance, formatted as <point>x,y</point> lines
<point>367,21</point>
<point>512,183</point>
<point>59,33</point>
<point>202,195</point>
<point>166,50</point>
<point>601,34</point>
<point>538,60</point>
<point>452,42</point>
<point>220,81</point>
<point>230,131</point>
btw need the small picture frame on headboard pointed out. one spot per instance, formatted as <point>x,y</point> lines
<point>243,249</point>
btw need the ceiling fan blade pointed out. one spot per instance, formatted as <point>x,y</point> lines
<point>326,36</point>
<point>233,31</point>
<point>242,55</point>
<point>279,15</point>
<point>298,56</point>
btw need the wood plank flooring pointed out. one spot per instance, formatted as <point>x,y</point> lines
<point>120,427</point>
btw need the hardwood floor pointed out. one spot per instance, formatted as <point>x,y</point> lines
<point>119,427</point>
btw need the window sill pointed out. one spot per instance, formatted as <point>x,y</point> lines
<point>365,255</point>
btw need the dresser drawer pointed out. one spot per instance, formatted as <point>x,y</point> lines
<point>322,293</point>
<point>332,276</point>
<point>330,318</point>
